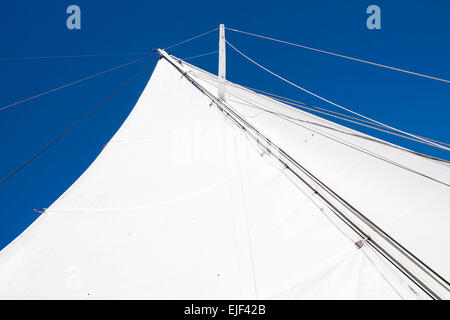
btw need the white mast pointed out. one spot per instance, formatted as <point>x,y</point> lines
<point>222,63</point>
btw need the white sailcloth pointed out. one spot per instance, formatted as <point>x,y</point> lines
<point>182,203</point>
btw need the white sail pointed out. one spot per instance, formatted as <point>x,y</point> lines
<point>183,203</point>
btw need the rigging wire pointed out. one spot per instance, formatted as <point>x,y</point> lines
<point>286,100</point>
<point>93,109</point>
<point>340,55</point>
<point>72,83</point>
<point>361,124</point>
<point>74,56</point>
<point>330,102</point>
<point>99,54</point>
<point>200,55</point>
<point>97,74</point>
<point>294,120</point>
<point>362,136</point>
<point>301,105</point>
<point>190,39</point>
<point>364,125</point>
<point>213,78</point>
<point>82,119</point>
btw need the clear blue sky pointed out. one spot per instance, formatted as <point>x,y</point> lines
<point>414,36</point>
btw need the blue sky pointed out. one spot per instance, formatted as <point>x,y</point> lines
<point>414,36</point>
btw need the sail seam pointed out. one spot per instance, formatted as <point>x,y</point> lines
<point>247,226</point>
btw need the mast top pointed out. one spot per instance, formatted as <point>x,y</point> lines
<point>222,63</point>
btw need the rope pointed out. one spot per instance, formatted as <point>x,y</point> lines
<point>190,39</point>
<point>331,102</point>
<point>82,119</point>
<point>355,122</point>
<point>359,122</point>
<point>308,106</point>
<point>294,120</point>
<point>72,83</point>
<point>341,56</point>
<point>298,104</point>
<point>362,136</point>
<point>73,56</point>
